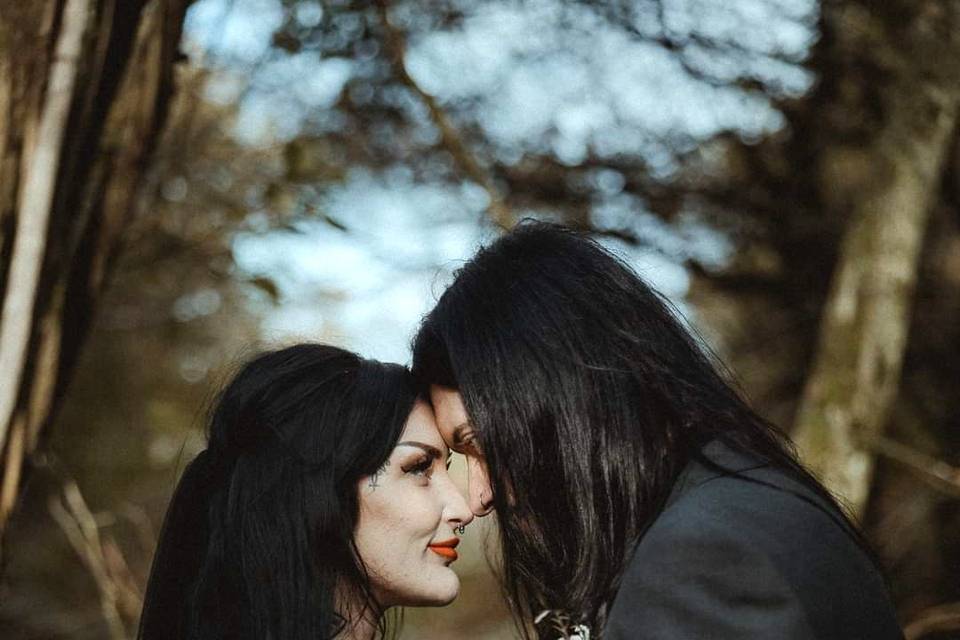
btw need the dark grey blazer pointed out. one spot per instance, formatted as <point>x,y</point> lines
<point>731,559</point>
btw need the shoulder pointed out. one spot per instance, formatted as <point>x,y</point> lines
<point>696,577</point>
<point>743,500</point>
<point>783,536</point>
<point>751,553</point>
<point>761,505</point>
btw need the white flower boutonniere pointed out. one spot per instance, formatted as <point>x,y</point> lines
<point>562,624</point>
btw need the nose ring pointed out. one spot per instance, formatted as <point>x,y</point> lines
<point>461,529</point>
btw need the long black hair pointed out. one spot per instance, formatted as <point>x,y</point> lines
<point>588,397</point>
<point>258,539</point>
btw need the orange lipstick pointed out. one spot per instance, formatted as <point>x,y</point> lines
<point>446,548</point>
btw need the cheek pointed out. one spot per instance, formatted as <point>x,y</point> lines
<point>378,526</point>
<point>399,509</point>
<point>394,529</point>
<point>479,475</point>
<point>392,535</point>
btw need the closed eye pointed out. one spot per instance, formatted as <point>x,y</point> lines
<point>470,445</point>
<point>421,467</point>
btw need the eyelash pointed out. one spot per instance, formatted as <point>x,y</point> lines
<point>420,467</point>
<point>470,444</point>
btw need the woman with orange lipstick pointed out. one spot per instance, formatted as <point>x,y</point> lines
<point>321,501</point>
<point>637,494</point>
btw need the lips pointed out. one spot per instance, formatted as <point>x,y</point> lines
<point>445,549</point>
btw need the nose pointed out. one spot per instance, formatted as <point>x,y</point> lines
<point>456,510</point>
<point>478,488</point>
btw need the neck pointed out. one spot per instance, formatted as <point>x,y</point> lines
<point>362,629</point>
<point>361,621</point>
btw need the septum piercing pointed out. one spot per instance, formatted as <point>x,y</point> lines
<point>460,529</point>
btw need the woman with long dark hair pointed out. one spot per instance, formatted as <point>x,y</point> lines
<point>637,494</point>
<point>321,501</point>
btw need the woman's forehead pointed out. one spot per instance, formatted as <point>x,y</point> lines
<point>421,427</point>
<point>449,408</point>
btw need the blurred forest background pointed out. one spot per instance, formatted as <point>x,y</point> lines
<point>184,183</point>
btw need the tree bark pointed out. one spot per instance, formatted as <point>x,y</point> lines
<point>84,88</point>
<point>888,185</point>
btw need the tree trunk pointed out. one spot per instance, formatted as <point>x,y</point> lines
<point>84,87</point>
<point>888,185</point>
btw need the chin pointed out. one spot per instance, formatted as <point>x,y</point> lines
<point>441,593</point>
<point>434,587</point>
<point>448,597</point>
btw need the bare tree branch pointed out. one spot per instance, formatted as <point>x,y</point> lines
<point>937,473</point>
<point>74,518</point>
<point>39,184</point>
<point>452,140</point>
<point>75,188</point>
<point>855,373</point>
<point>12,468</point>
<point>944,617</point>
<point>621,15</point>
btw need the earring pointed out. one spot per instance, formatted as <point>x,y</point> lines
<point>461,529</point>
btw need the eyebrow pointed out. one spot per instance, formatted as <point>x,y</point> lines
<point>458,432</point>
<point>429,449</point>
